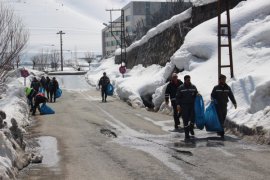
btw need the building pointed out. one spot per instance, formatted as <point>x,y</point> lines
<point>140,16</point>
<point>110,42</point>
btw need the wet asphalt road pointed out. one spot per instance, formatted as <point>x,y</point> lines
<point>114,141</point>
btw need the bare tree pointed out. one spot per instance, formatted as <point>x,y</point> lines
<point>13,38</point>
<point>89,57</point>
<point>54,59</point>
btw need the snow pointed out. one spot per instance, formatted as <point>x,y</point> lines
<point>250,38</point>
<point>49,151</point>
<point>71,82</point>
<point>201,2</point>
<point>14,104</point>
<point>137,82</point>
<point>198,57</point>
<point>159,29</point>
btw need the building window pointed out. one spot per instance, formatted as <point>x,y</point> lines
<point>128,18</point>
<point>128,29</point>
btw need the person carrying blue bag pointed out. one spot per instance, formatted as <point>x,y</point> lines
<point>103,83</point>
<point>221,94</point>
<point>53,86</point>
<point>185,99</point>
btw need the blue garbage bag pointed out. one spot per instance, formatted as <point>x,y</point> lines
<point>211,119</point>
<point>44,109</point>
<point>42,90</point>
<point>110,90</point>
<point>58,93</point>
<point>199,112</point>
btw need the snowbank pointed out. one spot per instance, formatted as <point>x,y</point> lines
<point>201,2</point>
<point>250,37</point>
<point>138,83</point>
<point>14,104</point>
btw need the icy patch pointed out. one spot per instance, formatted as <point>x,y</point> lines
<point>48,149</point>
<point>155,145</point>
<point>73,82</point>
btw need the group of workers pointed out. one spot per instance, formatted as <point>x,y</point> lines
<point>182,96</point>
<point>36,92</point>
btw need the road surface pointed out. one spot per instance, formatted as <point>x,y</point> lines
<point>112,140</point>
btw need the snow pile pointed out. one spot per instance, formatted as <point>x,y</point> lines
<point>201,2</point>
<point>251,41</point>
<point>13,102</point>
<point>138,83</point>
<point>159,29</point>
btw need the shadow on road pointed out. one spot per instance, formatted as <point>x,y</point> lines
<point>211,141</point>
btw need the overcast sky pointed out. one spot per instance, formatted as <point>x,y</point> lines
<point>96,9</point>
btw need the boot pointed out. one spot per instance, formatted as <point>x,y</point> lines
<point>187,137</point>
<point>191,129</point>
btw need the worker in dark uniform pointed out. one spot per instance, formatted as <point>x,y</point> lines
<point>185,99</point>
<point>220,95</point>
<point>103,83</point>
<point>53,86</point>
<point>171,93</point>
<point>40,98</point>
<point>35,84</point>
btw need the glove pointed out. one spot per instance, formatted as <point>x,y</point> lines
<point>235,106</point>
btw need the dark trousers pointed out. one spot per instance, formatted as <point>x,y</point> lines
<point>176,115</point>
<point>222,113</point>
<point>188,116</point>
<point>103,93</point>
<point>35,108</point>
<point>52,94</point>
<point>30,98</point>
<point>48,93</point>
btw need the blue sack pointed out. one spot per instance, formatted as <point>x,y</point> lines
<point>58,93</point>
<point>110,90</point>
<point>44,109</point>
<point>211,119</point>
<point>42,90</point>
<point>199,112</point>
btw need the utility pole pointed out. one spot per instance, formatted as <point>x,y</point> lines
<point>122,34</point>
<point>61,48</point>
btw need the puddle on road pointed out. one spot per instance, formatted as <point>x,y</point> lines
<point>48,149</point>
